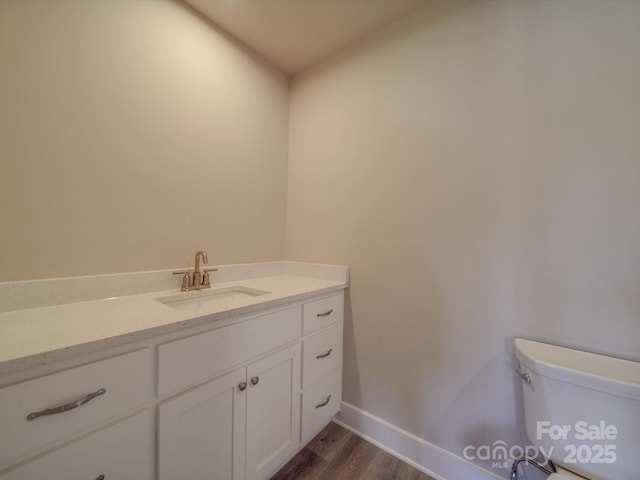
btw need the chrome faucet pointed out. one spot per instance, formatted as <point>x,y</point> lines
<point>197,275</point>
<point>197,279</point>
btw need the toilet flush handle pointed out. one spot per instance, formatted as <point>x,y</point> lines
<point>525,376</point>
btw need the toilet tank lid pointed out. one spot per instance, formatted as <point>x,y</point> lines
<point>591,370</point>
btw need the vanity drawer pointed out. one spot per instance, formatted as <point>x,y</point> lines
<point>120,451</point>
<point>320,403</point>
<point>322,353</point>
<point>323,312</point>
<point>190,360</point>
<point>125,380</point>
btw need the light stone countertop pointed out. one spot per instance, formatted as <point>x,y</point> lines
<point>38,336</point>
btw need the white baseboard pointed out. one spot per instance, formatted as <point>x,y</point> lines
<point>417,452</point>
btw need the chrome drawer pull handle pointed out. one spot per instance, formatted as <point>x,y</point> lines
<point>325,313</point>
<point>324,355</point>
<point>326,402</point>
<point>68,406</point>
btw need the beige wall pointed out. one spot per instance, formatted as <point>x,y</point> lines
<point>476,164</point>
<point>133,133</point>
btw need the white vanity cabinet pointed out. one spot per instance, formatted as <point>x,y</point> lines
<point>246,424</point>
<point>227,400</point>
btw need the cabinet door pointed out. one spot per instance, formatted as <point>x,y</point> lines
<point>273,412</point>
<point>201,433</point>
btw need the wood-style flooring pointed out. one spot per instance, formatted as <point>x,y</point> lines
<point>337,454</point>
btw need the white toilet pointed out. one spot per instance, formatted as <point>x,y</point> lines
<point>582,410</point>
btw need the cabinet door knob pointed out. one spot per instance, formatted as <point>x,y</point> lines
<point>242,386</point>
<point>255,380</point>
<point>68,406</point>
<point>101,477</point>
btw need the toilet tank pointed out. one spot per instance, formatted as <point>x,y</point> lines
<point>582,409</point>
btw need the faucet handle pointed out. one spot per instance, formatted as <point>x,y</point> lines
<point>206,282</point>
<point>186,283</point>
<point>186,280</point>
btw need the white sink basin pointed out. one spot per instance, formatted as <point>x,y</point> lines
<point>226,296</point>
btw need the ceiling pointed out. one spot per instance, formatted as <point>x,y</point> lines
<point>293,34</point>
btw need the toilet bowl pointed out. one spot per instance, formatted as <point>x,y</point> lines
<point>582,410</point>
